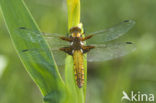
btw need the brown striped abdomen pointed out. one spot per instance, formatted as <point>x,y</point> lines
<point>78,67</point>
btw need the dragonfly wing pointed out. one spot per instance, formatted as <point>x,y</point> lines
<point>53,39</point>
<point>58,55</point>
<point>56,43</point>
<point>109,51</point>
<point>111,33</point>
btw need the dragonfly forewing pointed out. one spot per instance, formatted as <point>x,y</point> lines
<point>53,40</point>
<point>111,33</point>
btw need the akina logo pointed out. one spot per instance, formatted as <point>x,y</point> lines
<point>138,96</point>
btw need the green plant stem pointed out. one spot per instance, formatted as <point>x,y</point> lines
<point>73,13</point>
<point>78,94</point>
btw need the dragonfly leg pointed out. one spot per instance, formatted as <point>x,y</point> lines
<point>87,48</point>
<point>84,31</point>
<point>67,50</point>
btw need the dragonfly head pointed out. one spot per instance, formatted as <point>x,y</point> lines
<point>75,31</point>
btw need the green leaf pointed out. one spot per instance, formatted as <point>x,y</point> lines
<point>38,62</point>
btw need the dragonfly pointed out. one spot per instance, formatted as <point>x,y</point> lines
<point>98,47</point>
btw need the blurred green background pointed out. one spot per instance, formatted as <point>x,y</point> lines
<point>106,80</point>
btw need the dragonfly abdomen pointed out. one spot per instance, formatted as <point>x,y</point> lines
<point>78,67</point>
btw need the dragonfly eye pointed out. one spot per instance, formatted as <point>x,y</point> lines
<point>75,30</point>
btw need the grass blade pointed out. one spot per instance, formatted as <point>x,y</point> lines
<point>39,64</point>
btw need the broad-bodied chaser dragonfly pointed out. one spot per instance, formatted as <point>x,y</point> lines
<point>98,46</point>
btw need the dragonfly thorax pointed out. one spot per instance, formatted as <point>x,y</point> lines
<point>76,34</point>
<point>76,43</point>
